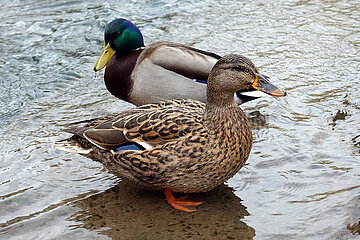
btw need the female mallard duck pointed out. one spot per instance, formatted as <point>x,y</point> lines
<point>160,71</point>
<point>179,145</point>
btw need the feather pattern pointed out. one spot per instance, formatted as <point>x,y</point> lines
<point>160,71</point>
<point>167,70</point>
<point>184,145</point>
<point>180,145</point>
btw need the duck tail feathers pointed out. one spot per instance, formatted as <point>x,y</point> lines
<point>69,145</point>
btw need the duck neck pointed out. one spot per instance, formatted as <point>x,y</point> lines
<point>218,93</point>
<point>118,73</point>
<point>224,117</point>
<point>222,113</point>
<point>217,98</point>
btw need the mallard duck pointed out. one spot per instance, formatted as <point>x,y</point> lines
<point>181,146</point>
<point>159,71</point>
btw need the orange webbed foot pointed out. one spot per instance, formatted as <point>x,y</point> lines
<point>183,203</point>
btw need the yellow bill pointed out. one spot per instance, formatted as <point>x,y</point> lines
<point>105,57</point>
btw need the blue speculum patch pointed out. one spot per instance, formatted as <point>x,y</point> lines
<point>201,81</point>
<point>128,147</point>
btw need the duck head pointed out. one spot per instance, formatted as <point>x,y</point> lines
<point>121,36</point>
<point>233,73</point>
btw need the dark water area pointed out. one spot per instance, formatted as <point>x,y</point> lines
<point>301,181</point>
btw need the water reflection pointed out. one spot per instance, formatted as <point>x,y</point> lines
<point>257,119</point>
<point>340,115</point>
<point>128,212</point>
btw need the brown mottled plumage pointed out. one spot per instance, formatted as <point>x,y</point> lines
<point>187,146</point>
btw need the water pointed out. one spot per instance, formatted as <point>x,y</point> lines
<point>301,180</point>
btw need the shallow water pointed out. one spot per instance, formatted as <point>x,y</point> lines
<point>302,179</point>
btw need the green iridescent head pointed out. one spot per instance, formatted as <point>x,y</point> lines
<point>121,36</point>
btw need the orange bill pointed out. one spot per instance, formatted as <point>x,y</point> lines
<point>262,83</point>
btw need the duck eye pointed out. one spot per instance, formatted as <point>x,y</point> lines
<point>239,68</point>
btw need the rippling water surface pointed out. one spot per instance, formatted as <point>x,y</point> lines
<point>302,179</point>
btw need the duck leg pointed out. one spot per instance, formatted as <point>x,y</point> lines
<point>182,203</point>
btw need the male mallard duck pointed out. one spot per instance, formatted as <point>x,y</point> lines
<point>179,145</point>
<point>160,71</point>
